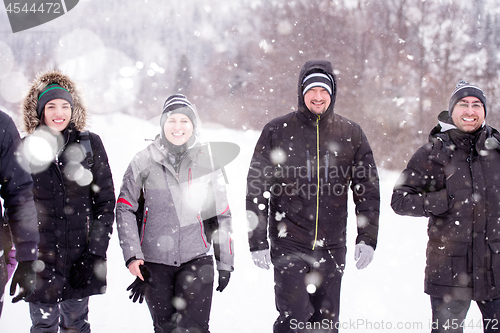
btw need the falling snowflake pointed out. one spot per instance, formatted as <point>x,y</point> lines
<point>279,216</point>
<point>320,243</point>
<point>282,230</point>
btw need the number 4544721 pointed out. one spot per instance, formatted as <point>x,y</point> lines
<point>44,7</point>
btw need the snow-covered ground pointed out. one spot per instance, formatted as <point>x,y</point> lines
<point>387,296</point>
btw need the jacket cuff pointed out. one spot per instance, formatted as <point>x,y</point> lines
<point>224,267</point>
<point>260,246</point>
<point>26,252</point>
<point>129,261</point>
<point>367,241</point>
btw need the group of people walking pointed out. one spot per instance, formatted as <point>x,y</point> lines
<point>173,216</point>
<point>60,205</point>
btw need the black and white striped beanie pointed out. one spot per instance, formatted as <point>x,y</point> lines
<point>317,80</point>
<point>465,89</point>
<point>178,103</point>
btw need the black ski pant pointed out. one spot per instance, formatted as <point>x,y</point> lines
<point>70,316</point>
<point>183,297</point>
<point>449,315</point>
<point>307,289</point>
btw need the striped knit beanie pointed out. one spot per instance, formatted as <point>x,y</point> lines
<point>178,103</point>
<point>317,80</point>
<point>52,91</point>
<point>465,89</point>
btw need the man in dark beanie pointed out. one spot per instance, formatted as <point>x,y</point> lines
<point>294,192</point>
<point>452,180</point>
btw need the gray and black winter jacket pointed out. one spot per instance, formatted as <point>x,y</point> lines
<point>176,210</point>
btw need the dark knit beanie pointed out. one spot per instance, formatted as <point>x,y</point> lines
<point>177,103</point>
<point>52,91</point>
<point>317,80</point>
<point>465,89</point>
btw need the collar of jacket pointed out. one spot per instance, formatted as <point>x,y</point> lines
<point>160,153</point>
<point>310,118</point>
<point>466,141</point>
<point>444,143</point>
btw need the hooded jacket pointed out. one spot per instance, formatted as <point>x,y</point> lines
<point>74,197</point>
<point>452,181</point>
<point>179,202</point>
<point>300,174</point>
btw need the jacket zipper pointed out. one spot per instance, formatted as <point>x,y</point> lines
<point>144,224</point>
<point>317,188</point>
<point>308,165</point>
<point>60,174</point>
<point>190,181</point>
<point>327,165</point>
<point>88,229</point>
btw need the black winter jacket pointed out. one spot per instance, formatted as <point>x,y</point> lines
<point>454,180</point>
<point>16,186</point>
<point>75,210</point>
<point>74,197</point>
<point>294,154</point>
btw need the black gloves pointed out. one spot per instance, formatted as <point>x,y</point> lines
<point>223,280</point>
<point>138,287</point>
<point>83,270</point>
<point>25,276</point>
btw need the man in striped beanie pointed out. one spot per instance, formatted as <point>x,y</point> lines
<point>453,180</point>
<point>317,91</point>
<point>297,202</point>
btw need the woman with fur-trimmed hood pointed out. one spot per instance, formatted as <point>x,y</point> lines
<point>75,200</point>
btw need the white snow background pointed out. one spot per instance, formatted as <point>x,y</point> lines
<point>387,296</point>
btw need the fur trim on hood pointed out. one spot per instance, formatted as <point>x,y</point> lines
<point>28,106</point>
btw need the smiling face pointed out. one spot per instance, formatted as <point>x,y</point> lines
<point>178,129</point>
<point>468,114</point>
<point>57,114</point>
<point>317,100</point>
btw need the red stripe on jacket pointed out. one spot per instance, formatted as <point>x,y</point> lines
<point>121,200</point>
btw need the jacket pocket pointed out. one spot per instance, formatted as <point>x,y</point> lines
<point>447,263</point>
<point>494,266</point>
<point>492,205</point>
<point>202,231</point>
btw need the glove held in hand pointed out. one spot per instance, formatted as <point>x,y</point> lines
<point>363,254</point>
<point>25,276</point>
<point>262,258</point>
<point>223,280</point>
<point>138,287</point>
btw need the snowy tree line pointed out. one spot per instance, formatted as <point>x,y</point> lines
<point>397,61</point>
